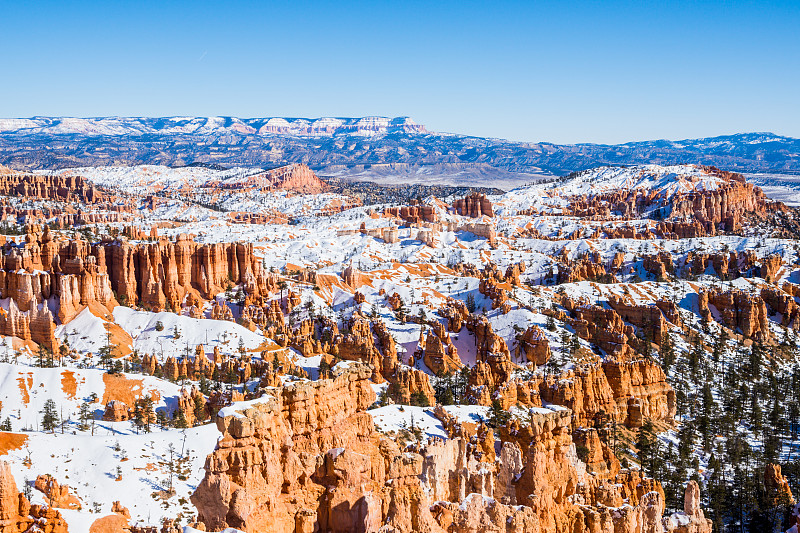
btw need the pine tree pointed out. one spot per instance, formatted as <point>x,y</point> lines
<point>205,385</point>
<point>180,420</point>
<point>574,345</point>
<point>84,415</point>
<point>695,356</point>
<point>44,357</point>
<point>717,491</point>
<point>106,357</point>
<point>49,415</point>
<point>497,415</point>
<point>324,369</point>
<point>704,421</point>
<point>6,425</point>
<point>646,444</point>
<point>146,414</point>
<point>667,350</point>
<point>199,410</point>
<point>471,305</point>
<point>161,419</point>
<point>443,390</point>
<point>419,399</point>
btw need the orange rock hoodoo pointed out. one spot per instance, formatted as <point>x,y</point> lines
<point>60,188</point>
<point>414,214</point>
<point>17,515</point>
<point>74,273</point>
<point>738,310</point>
<point>474,205</point>
<point>307,458</point>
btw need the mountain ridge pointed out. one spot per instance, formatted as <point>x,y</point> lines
<point>366,148</point>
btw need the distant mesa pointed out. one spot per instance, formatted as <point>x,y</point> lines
<point>116,126</point>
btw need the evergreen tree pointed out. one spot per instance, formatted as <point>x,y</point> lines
<point>696,356</point>
<point>324,369</point>
<point>84,416</point>
<point>199,410</point>
<point>161,419</point>
<point>205,385</point>
<point>180,420</point>
<point>49,415</point>
<point>443,390</point>
<point>704,421</point>
<point>106,357</point>
<point>419,399</point>
<point>667,350</point>
<point>146,414</point>
<point>471,305</point>
<point>717,491</point>
<point>647,446</point>
<point>497,415</point>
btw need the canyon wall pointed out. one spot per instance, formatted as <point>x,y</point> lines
<point>306,457</point>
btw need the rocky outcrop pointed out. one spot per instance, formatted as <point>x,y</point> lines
<point>74,189</point>
<point>660,265</point>
<point>692,519</point>
<point>784,303</point>
<point>484,230</point>
<point>116,411</point>
<point>438,351</point>
<point>269,469</point>
<point>474,205</point>
<point>738,310</point>
<point>307,458</point>
<point>776,486</point>
<point>533,344</point>
<point>17,515</point>
<point>628,391</point>
<point>58,496</point>
<point>588,267</point>
<point>296,177</point>
<point>413,214</point>
<point>723,206</point>
<point>155,275</point>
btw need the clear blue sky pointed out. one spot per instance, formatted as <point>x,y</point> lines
<point>534,71</point>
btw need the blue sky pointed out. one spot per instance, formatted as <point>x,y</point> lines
<point>532,71</point>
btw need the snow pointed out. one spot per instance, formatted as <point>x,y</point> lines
<point>141,325</point>
<point>236,409</point>
<point>25,389</point>
<point>416,272</point>
<point>88,465</point>
<point>396,418</point>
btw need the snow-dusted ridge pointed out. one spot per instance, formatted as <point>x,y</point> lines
<point>134,126</point>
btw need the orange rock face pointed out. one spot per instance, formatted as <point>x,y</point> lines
<point>17,515</point>
<point>692,519</point>
<point>307,458</point>
<point>116,411</point>
<point>739,311</point>
<point>534,345</point>
<point>777,486</point>
<point>438,351</point>
<point>295,177</point>
<point>413,214</point>
<point>474,205</point>
<point>58,496</point>
<point>60,188</point>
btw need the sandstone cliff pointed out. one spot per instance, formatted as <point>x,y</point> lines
<point>306,457</point>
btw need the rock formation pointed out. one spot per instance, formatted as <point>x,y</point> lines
<point>59,188</point>
<point>692,519</point>
<point>17,515</point>
<point>306,457</point>
<point>474,205</point>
